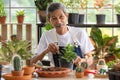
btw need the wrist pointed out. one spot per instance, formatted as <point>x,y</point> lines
<point>83,60</point>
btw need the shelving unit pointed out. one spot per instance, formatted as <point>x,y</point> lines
<point>40,26</point>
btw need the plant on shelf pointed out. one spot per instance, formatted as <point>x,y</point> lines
<point>104,45</point>
<point>75,5</point>
<point>74,8</point>
<point>2,13</point>
<point>117,9</point>
<point>20,15</point>
<point>13,47</point>
<point>41,5</point>
<point>100,4</point>
<point>17,66</point>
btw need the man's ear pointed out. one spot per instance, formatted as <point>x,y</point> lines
<point>67,15</point>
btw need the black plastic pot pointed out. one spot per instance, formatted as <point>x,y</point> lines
<point>81,18</point>
<point>114,75</point>
<point>118,18</point>
<point>100,18</point>
<point>73,18</point>
<point>64,63</point>
<point>0,71</point>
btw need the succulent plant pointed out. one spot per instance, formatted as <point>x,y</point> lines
<point>17,63</point>
<point>101,62</point>
<point>84,65</point>
<point>79,69</point>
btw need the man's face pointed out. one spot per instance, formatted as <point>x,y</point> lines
<point>58,18</point>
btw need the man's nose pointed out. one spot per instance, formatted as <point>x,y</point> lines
<point>58,20</point>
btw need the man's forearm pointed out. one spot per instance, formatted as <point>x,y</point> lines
<point>39,57</point>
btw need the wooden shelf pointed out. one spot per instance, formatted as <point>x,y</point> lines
<point>96,25</point>
<point>40,26</point>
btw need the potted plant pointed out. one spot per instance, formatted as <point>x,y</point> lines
<point>79,72</point>
<point>2,13</point>
<point>105,46</point>
<point>74,7</point>
<point>41,6</point>
<point>99,5</point>
<point>13,47</point>
<point>67,57</point>
<point>29,68</point>
<point>20,16</point>
<point>17,66</point>
<point>117,9</point>
<point>83,6</point>
<point>18,72</point>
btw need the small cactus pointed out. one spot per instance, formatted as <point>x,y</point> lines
<point>84,65</point>
<point>79,69</point>
<point>16,63</point>
<point>101,62</point>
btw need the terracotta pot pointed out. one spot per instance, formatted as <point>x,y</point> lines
<point>2,19</point>
<point>79,74</point>
<point>20,19</point>
<point>11,77</point>
<point>28,70</point>
<point>18,73</point>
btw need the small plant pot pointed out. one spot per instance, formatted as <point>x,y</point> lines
<point>28,70</point>
<point>65,64</point>
<point>81,18</point>
<point>42,16</point>
<point>100,18</point>
<point>118,18</point>
<point>2,19</point>
<point>73,18</point>
<point>20,19</point>
<point>18,73</point>
<point>79,74</point>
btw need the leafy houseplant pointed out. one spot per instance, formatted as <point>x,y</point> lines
<point>67,57</point>
<point>41,5</point>
<point>20,16</point>
<point>117,9</point>
<point>104,44</point>
<point>69,54</point>
<point>48,26</point>
<point>2,13</point>
<point>11,48</point>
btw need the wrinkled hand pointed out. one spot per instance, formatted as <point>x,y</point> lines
<point>53,48</point>
<point>77,60</point>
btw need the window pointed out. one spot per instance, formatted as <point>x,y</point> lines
<point>11,6</point>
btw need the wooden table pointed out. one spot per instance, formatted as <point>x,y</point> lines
<point>70,76</point>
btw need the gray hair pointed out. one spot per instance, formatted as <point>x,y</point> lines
<point>55,6</point>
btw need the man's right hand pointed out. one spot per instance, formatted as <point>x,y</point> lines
<point>54,48</point>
